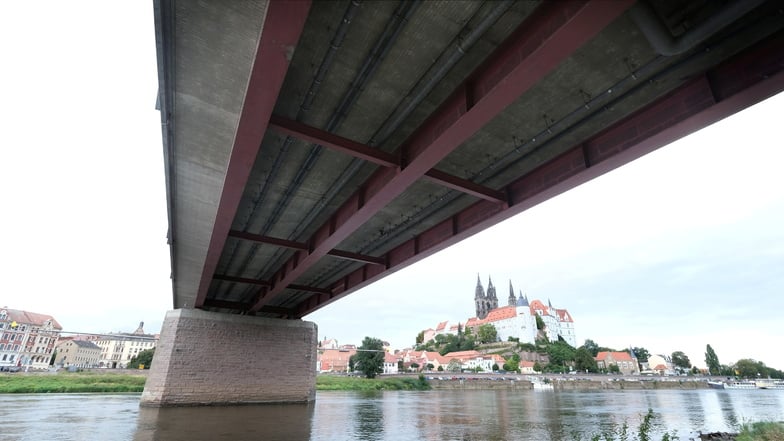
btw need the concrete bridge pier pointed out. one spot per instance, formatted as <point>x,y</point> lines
<point>209,358</point>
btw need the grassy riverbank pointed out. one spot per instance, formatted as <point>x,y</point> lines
<point>68,382</point>
<point>334,382</point>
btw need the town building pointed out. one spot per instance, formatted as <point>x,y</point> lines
<point>77,353</point>
<point>27,339</point>
<point>627,364</point>
<point>118,349</point>
<point>660,364</point>
<point>390,364</point>
<point>334,360</point>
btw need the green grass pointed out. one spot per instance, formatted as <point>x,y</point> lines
<point>66,382</point>
<point>334,382</point>
<point>765,431</point>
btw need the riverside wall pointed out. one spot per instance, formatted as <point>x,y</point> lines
<point>469,383</point>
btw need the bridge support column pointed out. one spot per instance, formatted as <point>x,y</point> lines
<point>208,358</point>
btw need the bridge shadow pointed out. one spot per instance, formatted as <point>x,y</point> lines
<point>267,422</point>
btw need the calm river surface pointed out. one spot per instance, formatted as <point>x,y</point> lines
<point>432,415</point>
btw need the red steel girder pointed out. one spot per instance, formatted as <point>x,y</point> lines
<point>549,36</point>
<point>241,306</point>
<point>348,255</point>
<point>282,27</point>
<point>245,280</point>
<point>323,138</point>
<point>379,157</point>
<point>729,88</point>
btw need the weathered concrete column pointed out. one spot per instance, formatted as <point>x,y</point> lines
<point>208,358</point>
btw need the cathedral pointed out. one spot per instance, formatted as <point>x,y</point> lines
<point>518,317</point>
<point>488,302</point>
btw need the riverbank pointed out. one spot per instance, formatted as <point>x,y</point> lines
<point>70,382</point>
<point>335,382</point>
<point>113,380</point>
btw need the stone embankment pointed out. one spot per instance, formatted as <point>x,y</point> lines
<point>483,383</point>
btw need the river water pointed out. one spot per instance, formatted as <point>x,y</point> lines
<point>432,415</point>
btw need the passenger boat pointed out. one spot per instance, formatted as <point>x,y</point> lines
<point>740,384</point>
<point>770,384</point>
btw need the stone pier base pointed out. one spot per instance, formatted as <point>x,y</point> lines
<point>208,358</point>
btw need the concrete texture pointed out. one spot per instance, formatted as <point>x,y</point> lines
<point>207,358</point>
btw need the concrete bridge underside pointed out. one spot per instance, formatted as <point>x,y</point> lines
<point>314,148</point>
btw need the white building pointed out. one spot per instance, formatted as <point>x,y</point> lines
<point>118,349</point>
<point>516,320</point>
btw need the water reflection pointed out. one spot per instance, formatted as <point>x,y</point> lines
<point>369,417</point>
<point>262,422</point>
<point>727,410</point>
<point>390,416</point>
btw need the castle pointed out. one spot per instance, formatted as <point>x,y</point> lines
<point>517,319</point>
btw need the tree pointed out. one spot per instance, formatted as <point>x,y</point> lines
<point>749,368</point>
<point>584,361</point>
<point>369,358</point>
<point>430,366</point>
<point>487,333</point>
<point>614,369</point>
<point>712,360</point>
<point>453,366</point>
<point>642,354</point>
<point>680,360</point>
<point>142,358</point>
<point>537,367</point>
<point>440,368</point>
<point>414,366</point>
<point>560,353</point>
<point>512,365</point>
<point>420,338</point>
<point>591,347</point>
<point>539,323</point>
<point>495,367</point>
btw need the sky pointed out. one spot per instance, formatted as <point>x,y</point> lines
<point>679,249</point>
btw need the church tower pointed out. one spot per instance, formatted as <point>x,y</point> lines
<point>485,303</point>
<point>512,300</point>
<point>479,299</point>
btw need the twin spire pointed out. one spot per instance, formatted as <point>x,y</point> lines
<point>487,302</point>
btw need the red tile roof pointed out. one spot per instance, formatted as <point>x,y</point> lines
<point>537,305</point>
<point>614,356</point>
<point>563,315</point>
<point>463,355</point>
<point>502,313</point>
<point>441,326</point>
<point>31,318</point>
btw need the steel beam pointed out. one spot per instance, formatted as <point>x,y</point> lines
<point>323,138</point>
<point>348,255</point>
<point>465,186</point>
<point>549,36</point>
<point>241,306</point>
<point>281,29</point>
<point>245,280</point>
<point>379,157</point>
<point>747,79</point>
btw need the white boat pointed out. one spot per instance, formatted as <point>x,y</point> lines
<point>770,384</point>
<point>733,384</point>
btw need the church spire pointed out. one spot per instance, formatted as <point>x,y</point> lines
<point>522,301</point>
<point>490,288</point>
<point>480,291</point>
<point>512,299</point>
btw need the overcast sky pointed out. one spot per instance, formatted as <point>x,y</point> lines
<point>682,248</point>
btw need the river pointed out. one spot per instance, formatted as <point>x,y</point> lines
<point>387,416</point>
